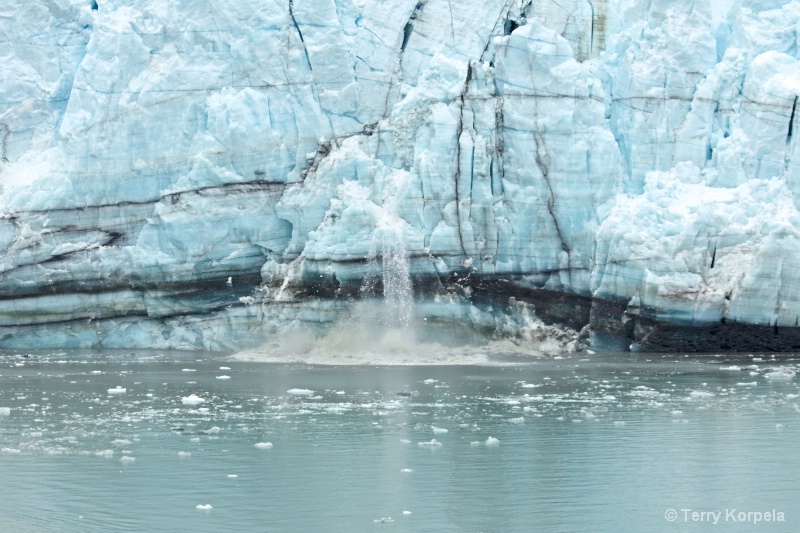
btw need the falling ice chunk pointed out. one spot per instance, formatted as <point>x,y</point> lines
<point>192,399</point>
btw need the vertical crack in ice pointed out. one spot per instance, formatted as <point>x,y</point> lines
<point>299,33</point>
<point>543,162</point>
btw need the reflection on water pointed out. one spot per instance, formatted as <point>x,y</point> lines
<point>609,443</point>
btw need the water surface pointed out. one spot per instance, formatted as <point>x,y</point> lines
<point>586,443</point>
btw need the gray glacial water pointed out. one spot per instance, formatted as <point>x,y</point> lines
<point>586,443</point>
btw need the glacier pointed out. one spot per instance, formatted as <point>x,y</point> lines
<point>193,174</point>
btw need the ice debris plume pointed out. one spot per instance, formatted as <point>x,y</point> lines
<point>159,161</point>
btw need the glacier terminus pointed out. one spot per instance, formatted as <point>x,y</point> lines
<point>186,174</point>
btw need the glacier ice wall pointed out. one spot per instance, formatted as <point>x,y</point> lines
<point>198,173</point>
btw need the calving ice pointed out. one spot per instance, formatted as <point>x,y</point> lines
<point>188,175</point>
<point>729,515</point>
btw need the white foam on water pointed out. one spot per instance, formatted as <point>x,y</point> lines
<point>263,445</point>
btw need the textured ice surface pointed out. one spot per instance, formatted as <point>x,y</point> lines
<point>159,160</point>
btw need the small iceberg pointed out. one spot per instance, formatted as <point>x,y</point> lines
<point>782,374</point>
<point>438,431</point>
<point>300,392</point>
<point>206,507</point>
<point>263,445</point>
<point>492,442</point>
<point>192,399</point>
<point>117,390</point>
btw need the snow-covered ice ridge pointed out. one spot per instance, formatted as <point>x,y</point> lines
<point>160,159</point>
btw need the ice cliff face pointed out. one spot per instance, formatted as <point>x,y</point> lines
<point>634,161</point>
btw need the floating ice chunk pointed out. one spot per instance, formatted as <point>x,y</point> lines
<point>233,476</point>
<point>492,442</point>
<point>591,352</point>
<point>184,454</point>
<point>194,439</point>
<point>619,424</point>
<point>5,411</point>
<point>701,394</point>
<point>406,513</point>
<point>677,412</point>
<point>108,454</point>
<point>406,470</point>
<point>300,392</point>
<point>438,431</point>
<point>223,377</point>
<point>475,443</point>
<point>13,451</point>
<point>224,368</point>
<point>530,386</point>
<point>758,359</point>
<point>430,381</point>
<point>120,442</point>
<point>518,420</point>
<point>782,374</point>
<point>192,399</point>
<point>779,426</point>
<point>405,441</point>
<point>117,390</point>
<point>747,384</point>
<point>432,443</point>
<point>732,368</point>
<point>206,507</point>
<point>127,459</point>
<point>340,392</point>
<point>189,370</point>
<point>264,445</point>
<point>214,430</point>
<point>386,520</point>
